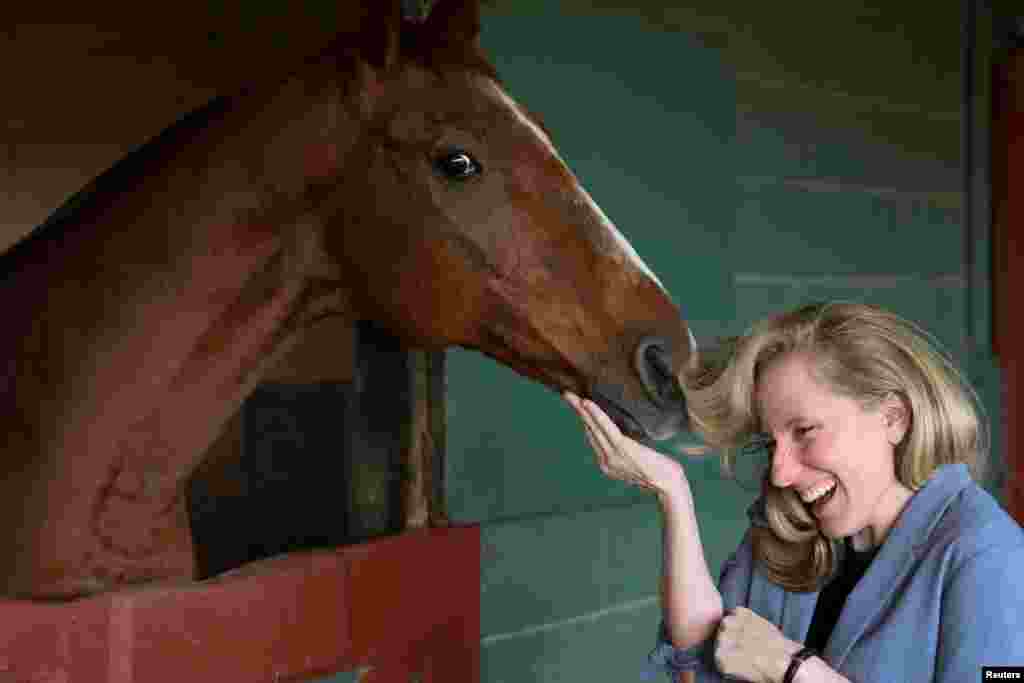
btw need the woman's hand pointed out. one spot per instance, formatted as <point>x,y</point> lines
<point>752,648</point>
<point>622,458</point>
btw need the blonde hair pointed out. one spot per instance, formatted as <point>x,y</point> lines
<point>856,350</point>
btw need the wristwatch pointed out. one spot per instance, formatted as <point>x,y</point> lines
<point>796,661</point>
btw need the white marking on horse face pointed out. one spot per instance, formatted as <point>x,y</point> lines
<point>606,223</point>
<point>623,243</point>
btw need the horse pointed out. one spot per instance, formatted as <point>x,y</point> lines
<point>390,177</point>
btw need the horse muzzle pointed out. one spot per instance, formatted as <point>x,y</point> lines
<point>662,413</point>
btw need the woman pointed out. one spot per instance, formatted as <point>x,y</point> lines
<point>872,555</point>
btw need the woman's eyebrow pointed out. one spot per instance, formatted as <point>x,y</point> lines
<point>793,420</point>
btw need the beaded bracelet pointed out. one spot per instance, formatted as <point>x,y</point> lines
<point>796,661</point>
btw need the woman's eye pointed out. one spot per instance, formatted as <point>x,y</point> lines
<point>803,431</point>
<point>457,165</point>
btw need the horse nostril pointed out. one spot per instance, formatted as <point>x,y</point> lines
<point>653,364</point>
<point>655,357</point>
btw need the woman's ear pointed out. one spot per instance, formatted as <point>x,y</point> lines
<point>896,416</point>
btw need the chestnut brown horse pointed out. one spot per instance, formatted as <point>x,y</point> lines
<point>390,178</point>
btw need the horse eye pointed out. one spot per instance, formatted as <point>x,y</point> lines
<point>457,165</point>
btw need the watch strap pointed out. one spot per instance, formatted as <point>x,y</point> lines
<point>794,664</point>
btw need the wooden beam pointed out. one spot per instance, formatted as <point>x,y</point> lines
<point>1008,261</point>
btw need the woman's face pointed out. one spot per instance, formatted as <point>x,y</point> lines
<point>827,442</point>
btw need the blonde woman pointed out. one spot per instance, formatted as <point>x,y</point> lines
<point>872,554</point>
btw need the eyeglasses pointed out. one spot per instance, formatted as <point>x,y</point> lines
<point>752,461</point>
<point>759,445</point>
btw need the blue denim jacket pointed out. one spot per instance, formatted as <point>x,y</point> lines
<point>943,597</point>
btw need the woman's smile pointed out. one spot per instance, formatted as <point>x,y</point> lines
<point>821,502</point>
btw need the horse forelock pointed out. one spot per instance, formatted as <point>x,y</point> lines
<point>448,40</point>
<point>445,59</point>
<point>365,83</point>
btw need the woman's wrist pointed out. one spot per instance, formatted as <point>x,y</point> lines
<point>674,487</point>
<point>805,674</point>
<point>817,670</point>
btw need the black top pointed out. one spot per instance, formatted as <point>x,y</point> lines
<point>833,595</point>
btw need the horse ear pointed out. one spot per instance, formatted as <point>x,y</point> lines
<point>454,22</point>
<point>380,32</point>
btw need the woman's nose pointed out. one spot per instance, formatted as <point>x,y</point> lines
<point>784,466</point>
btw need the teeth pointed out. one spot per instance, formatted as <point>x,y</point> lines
<point>811,495</point>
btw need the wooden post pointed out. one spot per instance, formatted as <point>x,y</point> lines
<point>395,452</point>
<point>377,418</point>
<point>423,496</point>
<point>1008,260</point>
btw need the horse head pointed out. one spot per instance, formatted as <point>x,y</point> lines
<point>457,222</point>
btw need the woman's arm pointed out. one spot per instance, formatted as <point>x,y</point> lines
<point>691,603</point>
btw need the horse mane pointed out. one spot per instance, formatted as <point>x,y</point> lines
<point>118,178</point>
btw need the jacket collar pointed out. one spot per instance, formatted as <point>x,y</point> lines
<point>907,540</point>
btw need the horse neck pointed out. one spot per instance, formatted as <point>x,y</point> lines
<point>159,301</point>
